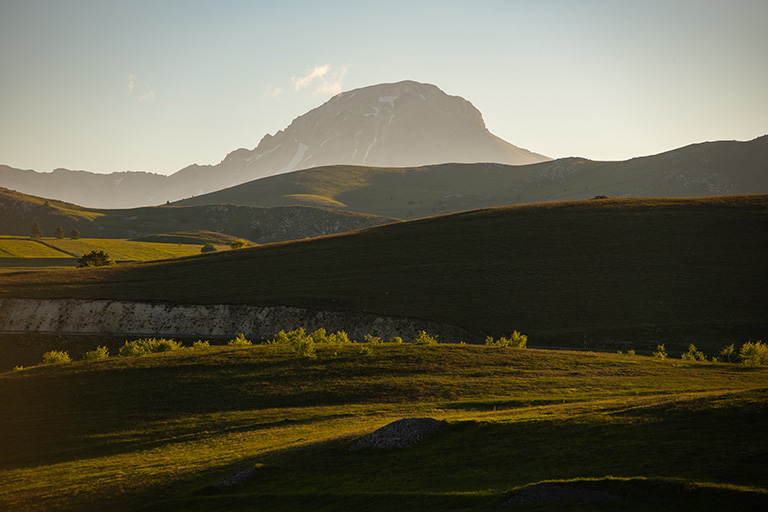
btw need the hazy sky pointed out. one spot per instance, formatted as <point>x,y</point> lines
<point>157,85</point>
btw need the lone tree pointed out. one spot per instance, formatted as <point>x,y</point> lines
<point>60,232</point>
<point>208,248</point>
<point>95,259</point>
<point>74,234</point>
<point>238,244</point>
<point>36,231</point>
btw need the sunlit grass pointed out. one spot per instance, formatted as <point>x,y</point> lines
<point>160,429</point>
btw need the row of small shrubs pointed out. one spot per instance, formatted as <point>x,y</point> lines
<point>303,344</point>
<point>752,353</point>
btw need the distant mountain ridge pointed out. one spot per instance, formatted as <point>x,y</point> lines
<point>698,170</point>
<point>399,124</point>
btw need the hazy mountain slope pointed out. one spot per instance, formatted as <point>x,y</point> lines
<point>263,225</point>
<point>404,123</point>
<point>565,273</point>
<point>699,170</point>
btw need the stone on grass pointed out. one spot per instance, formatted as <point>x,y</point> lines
<point>400,434</point>
<point>236,479</point>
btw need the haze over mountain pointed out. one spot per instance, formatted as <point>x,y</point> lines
<point>698,170</point>
<point>399,124</point>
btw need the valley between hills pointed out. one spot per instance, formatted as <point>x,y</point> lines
<point>582,330</point>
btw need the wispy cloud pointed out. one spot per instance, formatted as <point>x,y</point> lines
<point>131,83</point>
<point>304,81</point>
<point>147,96</point>
<point>328,80</point>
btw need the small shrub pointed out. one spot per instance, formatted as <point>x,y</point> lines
<point>694,354</point>
<point>396,339</point>
<point>754,353</point>
<point>339,337</point>
<point>144,346</point>
<point>208,248</point>
<point>727,352</point>
<point>95,259</point>
<point>97,353</point>
<point>304,347</point>
<point>56,357</point>
<point>18,368</point>
<point>281,338</point>
<point>238,244</point>
<point>201,345</point>
<point>516,340</point>
<point>426,339</point>
<point>373,339</point>
<point>240,341</point>
<point>630,352</point>
<point>661,352</point>
<point>365,351</point>
<point>164,345</point>
<point>319,336</point>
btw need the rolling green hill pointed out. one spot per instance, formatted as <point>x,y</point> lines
<point>573,273</point>
<point>156,432</point>
<point>24,253</point>
<point>262,225</point>
<point>188,237</point>
<point>707,169</point>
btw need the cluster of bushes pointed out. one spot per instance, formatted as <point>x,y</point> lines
<point>146,346</point>
<point>516,340</point>
<point>752,353</point>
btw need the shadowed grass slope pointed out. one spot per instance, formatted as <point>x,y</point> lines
<point>155,432</point>
<point>566,273</point>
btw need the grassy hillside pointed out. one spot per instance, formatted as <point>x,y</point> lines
<point>634,271</point>
<point>707,169</point>
<point>263,225</point>
<point>188,237</point>
<point>17,253</point>
<point>154,433</point>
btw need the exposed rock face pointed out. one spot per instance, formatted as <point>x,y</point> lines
<point>392,125</point>
<point>161,319</point>
<point>405,123</point>
<point>399,434</point>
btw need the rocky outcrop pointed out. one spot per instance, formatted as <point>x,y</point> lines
<point>164,319</point>
<point>399,434</point>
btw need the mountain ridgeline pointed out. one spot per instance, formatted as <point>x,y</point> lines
<point>399,124</point>
<point>698,170</point>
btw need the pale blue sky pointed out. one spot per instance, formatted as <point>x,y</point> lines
<point>157,85</point>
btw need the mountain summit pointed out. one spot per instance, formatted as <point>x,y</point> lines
<point>393,125</point>
<point>389,125</point>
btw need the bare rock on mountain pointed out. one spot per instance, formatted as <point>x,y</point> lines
<point>390,125</point>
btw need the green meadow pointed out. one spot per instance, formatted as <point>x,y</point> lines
<point>26,253</point>
<point>156,432</point>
